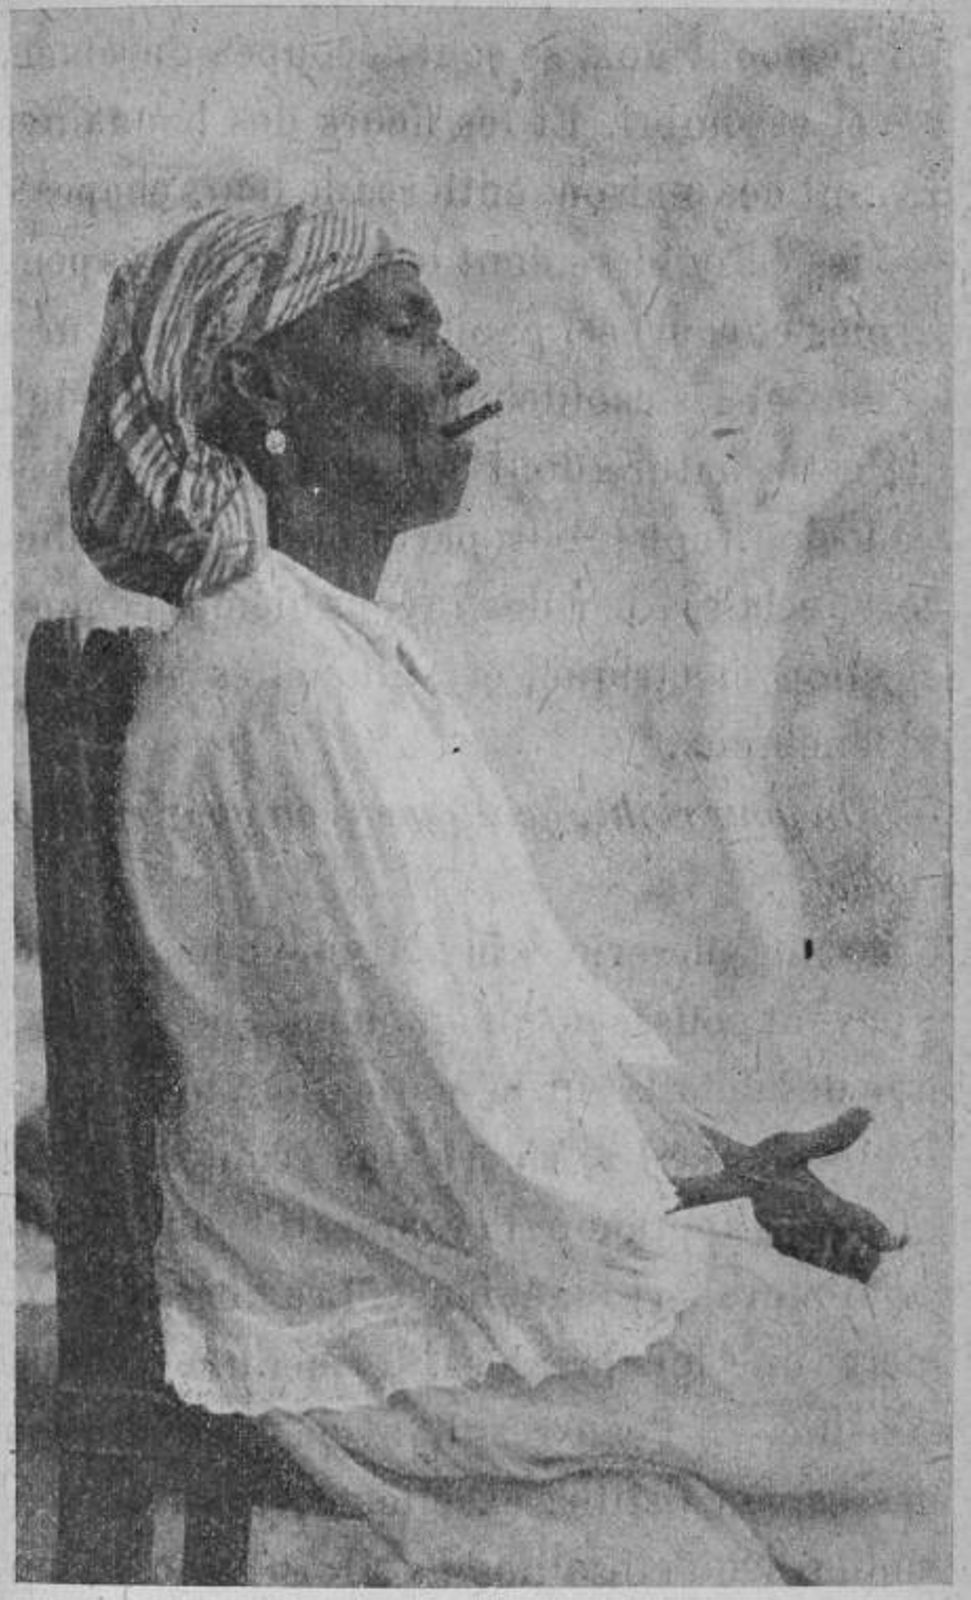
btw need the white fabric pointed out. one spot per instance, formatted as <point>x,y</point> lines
<point>415,1137</point>
<point>782,1421</point>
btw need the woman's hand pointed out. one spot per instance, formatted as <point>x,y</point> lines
<point>802,1217</point>
<point>809,1222</point>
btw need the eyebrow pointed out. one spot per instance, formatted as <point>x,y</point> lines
<point>405,293</point>
<point>418,301</point>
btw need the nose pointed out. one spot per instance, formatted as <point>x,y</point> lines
<point>457,373</point>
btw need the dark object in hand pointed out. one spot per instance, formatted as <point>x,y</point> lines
<point>803,1218</point>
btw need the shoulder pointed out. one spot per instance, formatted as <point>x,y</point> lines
<point>249,651</point>
<point>232,685</point>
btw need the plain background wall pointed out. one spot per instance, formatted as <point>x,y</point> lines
<point>697,602</point>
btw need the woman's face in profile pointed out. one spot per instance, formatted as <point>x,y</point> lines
<point>377,382</point>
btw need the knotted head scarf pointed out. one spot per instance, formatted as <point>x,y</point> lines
<point>157,508</point>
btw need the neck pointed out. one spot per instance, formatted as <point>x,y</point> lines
<point>340,543</point>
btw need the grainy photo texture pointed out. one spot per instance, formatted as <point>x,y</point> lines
<point>482,489</point>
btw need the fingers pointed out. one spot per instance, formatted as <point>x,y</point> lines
<point>848,1255</point>
<point>806,1221</point>
<point>795,1149</point>
<point>858,1259</point>
<point>832,1137</point>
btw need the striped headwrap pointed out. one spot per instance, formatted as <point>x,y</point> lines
<point>157,508</point>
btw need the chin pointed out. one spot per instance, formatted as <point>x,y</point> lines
<point>436,501</point>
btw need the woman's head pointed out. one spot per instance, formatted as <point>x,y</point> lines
<point>296,327</point>
<point>349,401</point>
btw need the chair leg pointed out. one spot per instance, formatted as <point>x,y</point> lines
<point>217,1528</point>
<point>104,1521</point>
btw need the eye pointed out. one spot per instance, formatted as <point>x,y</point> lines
<point>412,318</point>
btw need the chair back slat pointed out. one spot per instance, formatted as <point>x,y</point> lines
<point>121,1434</point>
<point>107,1062</point>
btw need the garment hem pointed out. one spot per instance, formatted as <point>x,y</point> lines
<point>187,1358</point>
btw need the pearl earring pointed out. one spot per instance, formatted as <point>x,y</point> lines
<point>275,441</point>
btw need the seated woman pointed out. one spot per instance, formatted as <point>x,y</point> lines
<point>422,1177</point>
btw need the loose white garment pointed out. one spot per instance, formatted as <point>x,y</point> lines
<point>415,1137</point>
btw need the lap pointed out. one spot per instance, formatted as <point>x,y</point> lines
<point>561,1526</point>
<point>770,1420</point>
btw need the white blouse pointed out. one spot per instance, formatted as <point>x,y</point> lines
<point>415,1137</point>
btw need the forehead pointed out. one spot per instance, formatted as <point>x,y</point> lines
<point>393,284</point>
<point>387,290</point>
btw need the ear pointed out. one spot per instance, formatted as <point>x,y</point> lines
<point>251,375</point>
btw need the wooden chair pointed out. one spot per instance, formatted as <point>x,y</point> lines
<point>122,1436</point>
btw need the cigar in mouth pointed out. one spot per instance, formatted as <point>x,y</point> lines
<point>454,430</point>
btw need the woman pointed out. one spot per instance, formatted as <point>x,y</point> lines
<point>418,1187</point>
